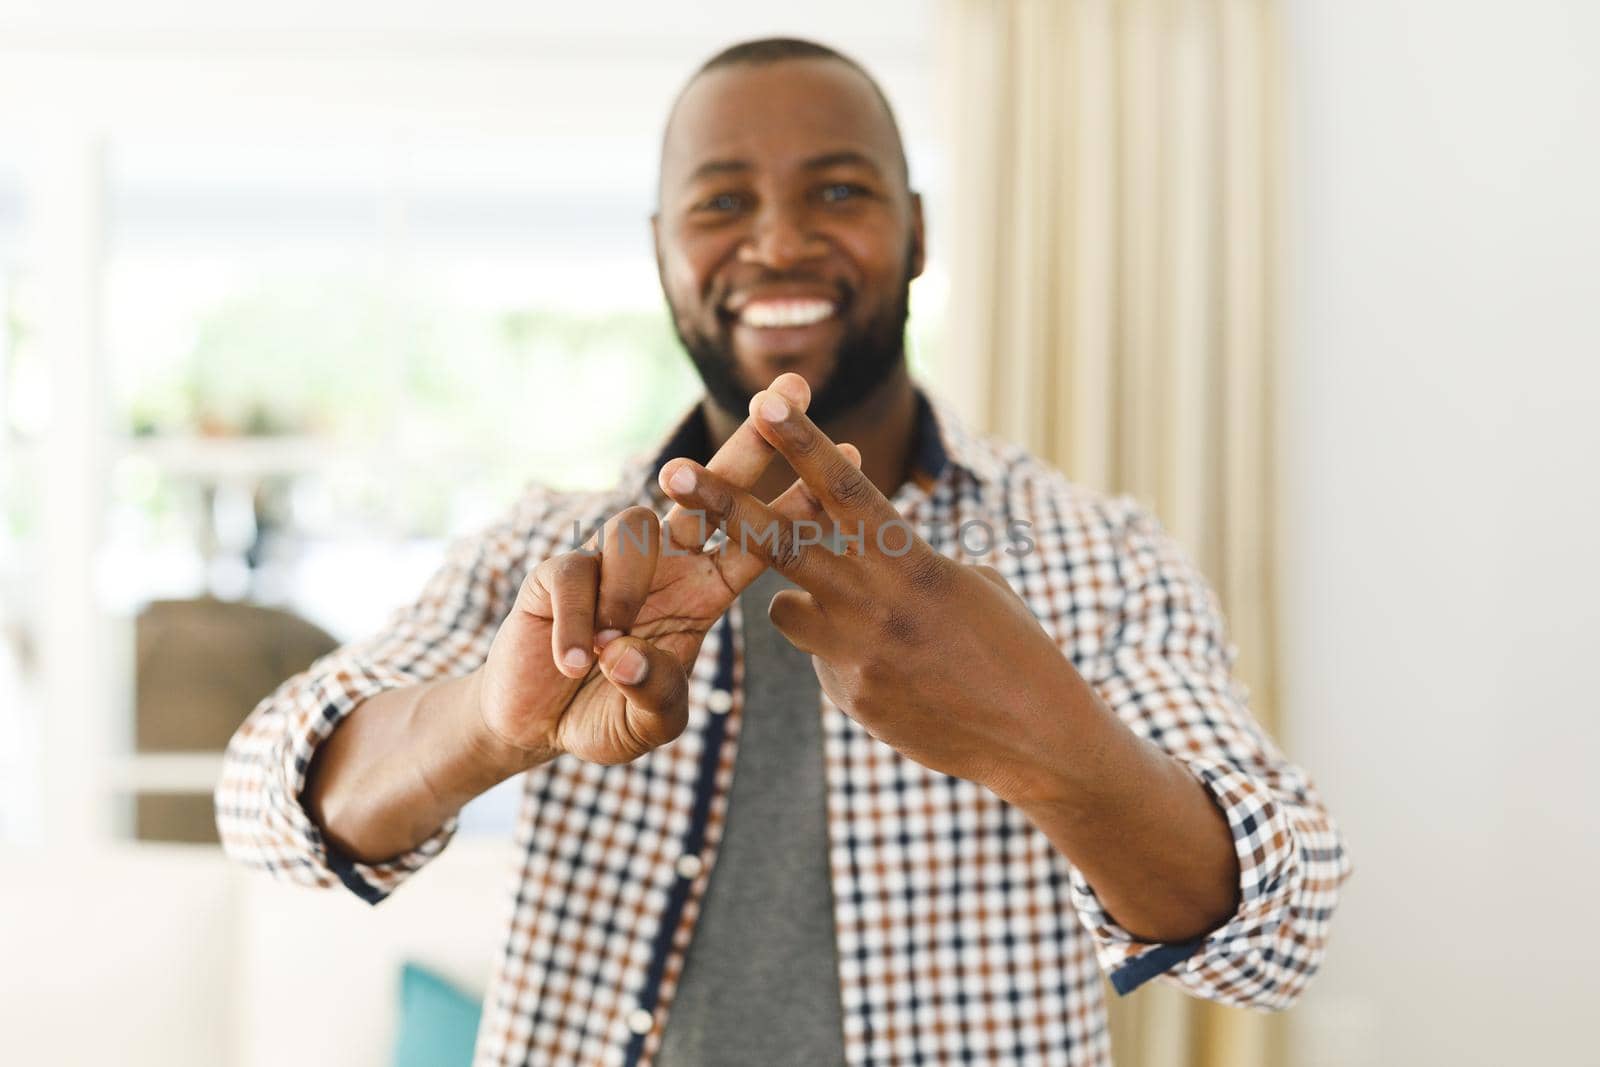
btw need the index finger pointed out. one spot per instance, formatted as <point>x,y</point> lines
<point>796,547</point>
<point>741,460</point>
<point>844,491</point>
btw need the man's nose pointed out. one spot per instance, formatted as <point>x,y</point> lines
<point>780,239</point>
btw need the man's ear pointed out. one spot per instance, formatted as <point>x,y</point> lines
<point>655,245</point>
<point>919,254</point>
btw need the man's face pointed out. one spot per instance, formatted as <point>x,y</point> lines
<point>786,238</point>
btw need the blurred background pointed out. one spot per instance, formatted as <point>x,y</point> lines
<point>291,296</point>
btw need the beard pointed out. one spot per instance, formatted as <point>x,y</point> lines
<point>867,355</point>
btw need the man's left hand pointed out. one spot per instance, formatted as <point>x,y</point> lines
<point>940,660</point>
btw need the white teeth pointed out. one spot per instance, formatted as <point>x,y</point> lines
<point>775,313</point>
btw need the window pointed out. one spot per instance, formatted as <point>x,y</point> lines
<point>277,351</point>
<point>21,402</point>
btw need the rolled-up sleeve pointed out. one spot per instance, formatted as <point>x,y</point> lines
<point>446,632</point>
<point>1167,672</point>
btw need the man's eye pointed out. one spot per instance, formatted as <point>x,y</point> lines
<point>722,202</point>
<point>841,191</point>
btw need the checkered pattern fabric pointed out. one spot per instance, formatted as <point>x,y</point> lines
<point>963,936</point>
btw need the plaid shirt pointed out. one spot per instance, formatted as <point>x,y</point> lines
<point>963,936</point>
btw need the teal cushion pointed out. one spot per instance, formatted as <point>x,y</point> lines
<point>438,1022</point>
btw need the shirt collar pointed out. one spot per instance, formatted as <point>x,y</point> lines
<point>944,444</point>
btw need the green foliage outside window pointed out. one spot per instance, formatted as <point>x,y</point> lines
<point>425,401</point>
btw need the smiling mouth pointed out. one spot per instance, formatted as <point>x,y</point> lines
<point>785,313</point>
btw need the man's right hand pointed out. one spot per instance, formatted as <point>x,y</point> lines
<point>593,659</point>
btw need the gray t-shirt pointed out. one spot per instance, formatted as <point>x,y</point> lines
<point>760,982</point>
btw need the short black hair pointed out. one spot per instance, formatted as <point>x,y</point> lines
<point>767,50</point>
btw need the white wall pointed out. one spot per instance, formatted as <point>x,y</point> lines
<point>173,956</point>
<point>589,69</point>
<point>1443,582</point>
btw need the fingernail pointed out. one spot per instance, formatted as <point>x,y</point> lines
<point>575,658</point>
<point>773,409</point>
<point>788,388</point>
<point>606,636</point>
<point>630,667</point>
<point>682,480</point>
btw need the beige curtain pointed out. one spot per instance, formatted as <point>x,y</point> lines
<point>1115,171</point>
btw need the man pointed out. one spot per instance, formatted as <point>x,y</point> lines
<point>1030,755</point>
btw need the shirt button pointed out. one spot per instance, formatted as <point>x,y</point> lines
<point>640,1021</point>
<point>720,701</point>
<point>689,865</point>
